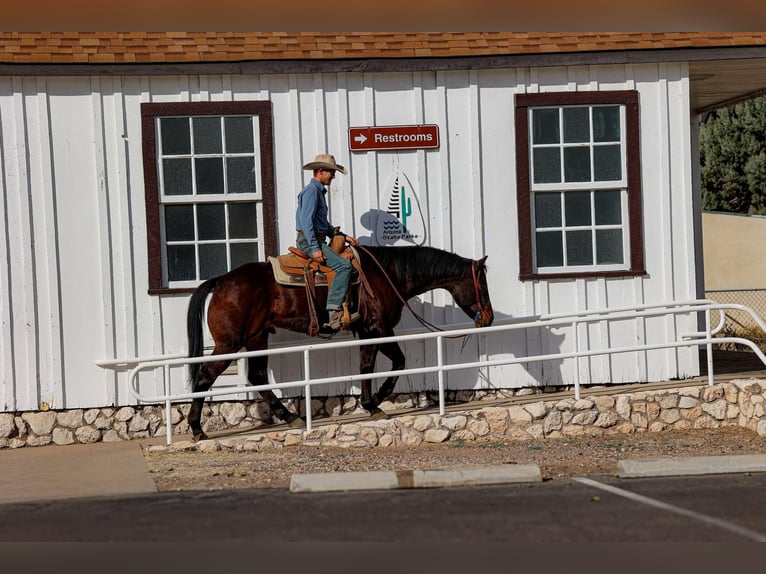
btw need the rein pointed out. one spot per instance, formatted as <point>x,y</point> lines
<point>420,319</point>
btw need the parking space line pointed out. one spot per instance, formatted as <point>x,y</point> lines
<point>747,533</point>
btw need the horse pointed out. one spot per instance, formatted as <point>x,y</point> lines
<point>247,304</point>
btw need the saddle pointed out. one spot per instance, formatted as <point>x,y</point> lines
<point>291,268</point>
<point>297,269</point>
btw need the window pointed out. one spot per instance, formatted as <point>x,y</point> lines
<point>209,189</point>
<point>578,184</point>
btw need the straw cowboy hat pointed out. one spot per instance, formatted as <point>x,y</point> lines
<point>325,161</point>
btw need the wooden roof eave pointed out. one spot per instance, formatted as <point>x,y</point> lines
<point>379,65</point>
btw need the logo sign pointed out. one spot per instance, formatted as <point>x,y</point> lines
<point>402,221</point>
<point>393,137</point>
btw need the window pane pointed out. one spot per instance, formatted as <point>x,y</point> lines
<point>239,134</point>
<point>579,248</point>
<point>545,126</point>
<point>606,124</point>
<point>179,223</point>
<point>576,164</point>
<point>211,221</point>
<point>177,176</point>
<point>609,246</point>
<point>212,260</point>
<point>576,125</point>
<point>207,134</point>
<point>240,174</point>
<point>242,253</point>
<point>176,139</point>
<point>547,210</point>
<point>550,252</point>
<point>547,165</point>
<point>608,207</point>
<point>607,163</point>
<point>209,175</point>
<point>577,208</point>
<point>243,221</point>
<point>181,263</point>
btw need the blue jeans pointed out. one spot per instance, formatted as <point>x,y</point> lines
<point>341,266</point>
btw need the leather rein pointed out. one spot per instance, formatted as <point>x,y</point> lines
<point>430,326</point>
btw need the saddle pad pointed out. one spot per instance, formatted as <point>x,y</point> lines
<point>297,280</point>
<point>293,280</point>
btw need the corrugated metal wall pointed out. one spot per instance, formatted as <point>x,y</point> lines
<point>73,270</point>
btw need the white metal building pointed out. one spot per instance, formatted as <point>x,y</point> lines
<point>124,184</point>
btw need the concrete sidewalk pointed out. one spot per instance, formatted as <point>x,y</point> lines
<point>73,471</point>
<point>34,474</point>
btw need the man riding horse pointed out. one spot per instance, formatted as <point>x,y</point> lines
<point>314,228</point>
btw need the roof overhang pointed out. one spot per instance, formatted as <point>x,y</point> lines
<point>718,76</point>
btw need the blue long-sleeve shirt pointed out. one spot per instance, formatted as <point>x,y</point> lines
<point>311,215</point>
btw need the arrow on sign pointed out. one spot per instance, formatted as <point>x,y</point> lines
<point>361,138</point>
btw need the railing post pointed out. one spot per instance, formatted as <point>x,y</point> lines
<point>709,346</point>
<point>440,372</point>
<point>166,387</point>
<point>576,326</point>
<point>307,376</point>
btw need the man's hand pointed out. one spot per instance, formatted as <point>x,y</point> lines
<point>352,240</point>
<point>318,256</point>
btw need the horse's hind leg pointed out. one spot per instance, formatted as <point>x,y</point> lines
<point>257,374</point>
<point>208,373</point>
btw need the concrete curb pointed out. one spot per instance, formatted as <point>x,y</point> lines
<point>724,464</point>
<point>389,480</point>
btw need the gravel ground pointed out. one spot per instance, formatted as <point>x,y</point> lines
<point>557,458</point>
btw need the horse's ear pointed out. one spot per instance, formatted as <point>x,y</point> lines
<point>483,261</point>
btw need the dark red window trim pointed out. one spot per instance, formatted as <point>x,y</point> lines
<point>150,111</point>
<point>628,98</point>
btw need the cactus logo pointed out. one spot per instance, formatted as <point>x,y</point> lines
<point>401,222</point>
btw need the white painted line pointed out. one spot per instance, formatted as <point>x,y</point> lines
<point>745,532</point>
<point>388,480</point>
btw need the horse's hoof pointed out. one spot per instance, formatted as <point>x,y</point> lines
<point>198,436</point>
<point>297,423</point>
<point>378,415</point>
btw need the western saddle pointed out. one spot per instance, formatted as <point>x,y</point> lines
<point>296,269</point>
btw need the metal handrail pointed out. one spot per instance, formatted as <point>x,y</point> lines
<point>572,319</point>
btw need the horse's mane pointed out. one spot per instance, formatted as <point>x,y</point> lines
<point>423,261</point>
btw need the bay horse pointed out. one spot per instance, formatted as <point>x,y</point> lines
<point>247,304</point>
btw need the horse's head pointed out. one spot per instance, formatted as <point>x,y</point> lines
<point>472,294</point>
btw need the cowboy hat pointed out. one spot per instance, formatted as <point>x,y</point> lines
<point>325,161</point>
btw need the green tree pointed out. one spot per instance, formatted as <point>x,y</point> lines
<point>733,158</point>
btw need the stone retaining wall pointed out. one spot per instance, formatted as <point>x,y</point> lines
<point>524,414</point>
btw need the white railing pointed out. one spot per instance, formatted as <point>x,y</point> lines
<point>574,320</point>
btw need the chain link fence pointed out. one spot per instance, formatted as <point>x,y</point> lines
<point>739,323</point>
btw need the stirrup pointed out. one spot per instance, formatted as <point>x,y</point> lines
<point>331,328</point>
<point>335,321</point>
<point>349,317</point>
<point>339,320</point>
<point>352,318</point>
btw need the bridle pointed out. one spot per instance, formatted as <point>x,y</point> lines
<point>475,274</point>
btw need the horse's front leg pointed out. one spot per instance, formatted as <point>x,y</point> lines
<point>394,352</point>
<point>366,366</point>
<point>371,402</point>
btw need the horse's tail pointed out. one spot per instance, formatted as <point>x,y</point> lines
<point>194,325</point>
